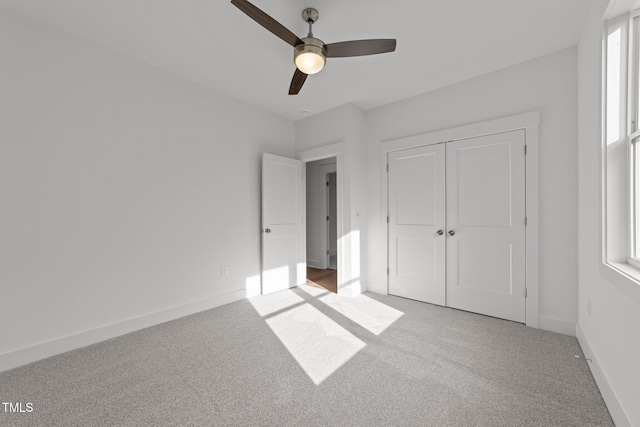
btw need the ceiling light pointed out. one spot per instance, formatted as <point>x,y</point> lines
<point>310,53</point>
<point>310,57</point>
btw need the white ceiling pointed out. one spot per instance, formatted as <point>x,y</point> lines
<point>213,43</point>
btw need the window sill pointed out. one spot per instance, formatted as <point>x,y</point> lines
<point>624,276</point>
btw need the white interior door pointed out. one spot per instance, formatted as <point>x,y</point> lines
<point>283,263</point>
<point>486,225</point>
<point>416,223</point>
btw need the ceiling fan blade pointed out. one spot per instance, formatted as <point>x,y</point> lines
<point>360,47</point>
<point>297,81</point>
<point>267,22</point>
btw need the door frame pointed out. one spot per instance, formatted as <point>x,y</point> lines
<point>342,191</point>
<point>529,122</point>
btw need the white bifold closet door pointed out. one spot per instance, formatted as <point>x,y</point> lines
<point>416,217</point>
<point>486,211</point>
<point>474,191</point>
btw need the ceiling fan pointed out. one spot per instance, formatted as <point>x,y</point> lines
<point>310,53</point>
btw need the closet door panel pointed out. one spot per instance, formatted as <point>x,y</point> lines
<point>416,214</point>
<point>485,183</point>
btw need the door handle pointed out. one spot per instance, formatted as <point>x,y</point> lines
<point>439,232</point>
<point>267,230</point>
<point>451,232</point>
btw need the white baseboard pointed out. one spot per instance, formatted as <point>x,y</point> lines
<point>50,348</point>
<point>610,399</point>
<point>313,263</point>
<point>376,288</point>
<point>557,325</point>
<point>364,287</point>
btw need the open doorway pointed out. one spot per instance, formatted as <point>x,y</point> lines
<point>332,221</point>
<point>322,230</point>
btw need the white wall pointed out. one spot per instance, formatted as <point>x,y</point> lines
<point>123,189</point>
<point>547,84</point>
<point>317,211</point>
<point>610,336</point>
<point>344,125</point>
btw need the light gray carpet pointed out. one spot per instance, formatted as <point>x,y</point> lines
<point>431,367</point>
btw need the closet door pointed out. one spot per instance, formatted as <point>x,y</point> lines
<point>417,223</point>
<point>486,225</point>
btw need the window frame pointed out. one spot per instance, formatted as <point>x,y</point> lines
<point>633,134</point>
<point>621,245</point>
<point>618,187</point>
<point>616,209</point>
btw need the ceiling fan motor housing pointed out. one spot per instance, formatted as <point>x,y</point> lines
<point>311,56</point>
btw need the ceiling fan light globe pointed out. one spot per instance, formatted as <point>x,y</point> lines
<point>309,62</point>
<point>311,56</point>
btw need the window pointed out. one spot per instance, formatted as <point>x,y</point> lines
<point>621,144</point>
<point>633,88</point>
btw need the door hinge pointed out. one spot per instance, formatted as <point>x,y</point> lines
<point>327,217</point>
<point>526,150</point>
<point>526,221</point>
<point>525,292</point>
<point>327,252</point>
<point>387,219</point>
<point>387,271</point>
<point>327,183</point>
<point>387,167</point>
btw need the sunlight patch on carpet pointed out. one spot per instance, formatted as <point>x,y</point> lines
<point>372,315</point>
<point>312,290</point>
<point>272,303</point>
<point>319,345</point>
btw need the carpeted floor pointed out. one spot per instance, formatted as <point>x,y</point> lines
<point>306,357</point>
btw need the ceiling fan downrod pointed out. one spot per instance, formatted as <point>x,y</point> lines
<point>310,16</point>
